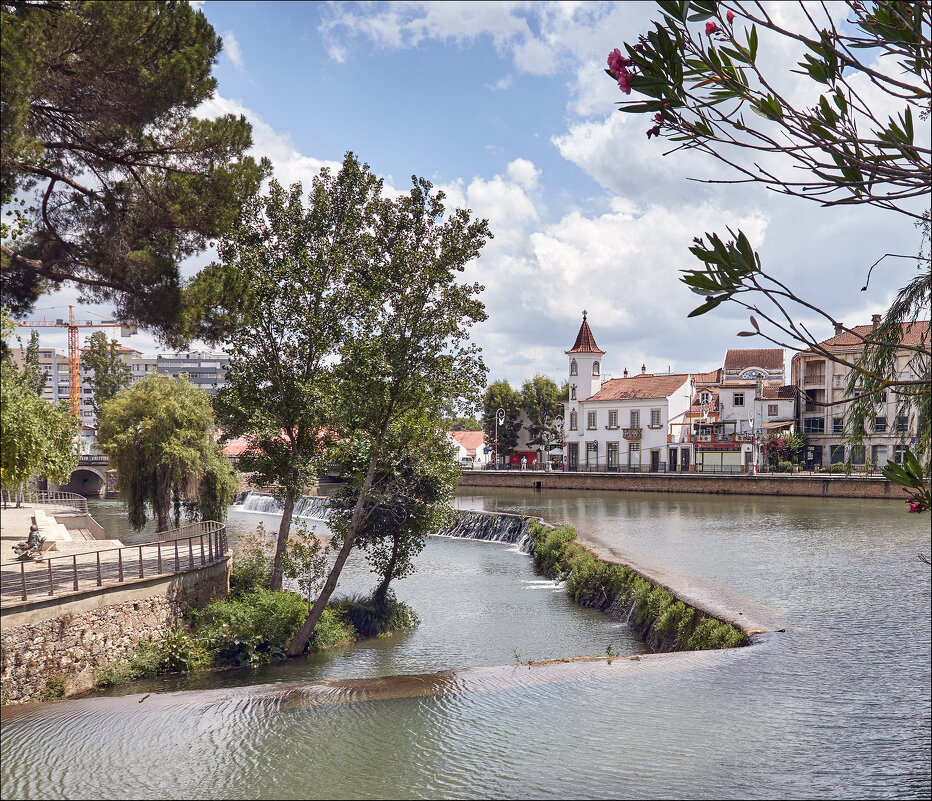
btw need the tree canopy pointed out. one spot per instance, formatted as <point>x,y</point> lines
<point>832,140</point>
<point>37,438</point>
<point>542,404</point>
<point>500,395</point>
<point>108,373</point>
<point>159,435</point>
<point>304,266</point>
<point>112,177</point>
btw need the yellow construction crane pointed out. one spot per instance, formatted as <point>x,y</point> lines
<point>74,378</point>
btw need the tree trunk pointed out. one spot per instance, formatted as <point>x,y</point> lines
<point>382,590</point>
<point>283,531</point>
<point>300,640</point>
<point>163,499</point>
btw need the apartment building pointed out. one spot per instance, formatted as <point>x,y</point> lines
<point>204,369</point>
<point>823,385</point>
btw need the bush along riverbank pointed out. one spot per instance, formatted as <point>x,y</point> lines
<point>254,626</point>
<point>662,621</point>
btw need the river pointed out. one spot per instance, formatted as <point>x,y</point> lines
<point>838,705</point>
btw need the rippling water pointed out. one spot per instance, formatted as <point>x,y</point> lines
<point>838,705</point>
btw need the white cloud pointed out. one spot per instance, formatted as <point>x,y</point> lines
<point>232,49</point>
<point>523,173</point>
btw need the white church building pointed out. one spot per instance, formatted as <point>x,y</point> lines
<point>621,424</point>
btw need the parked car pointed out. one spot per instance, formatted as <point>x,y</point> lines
<point>466,463</point>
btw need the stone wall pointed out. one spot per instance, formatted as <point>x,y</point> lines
<point>822,486</point>
<point>66,641</point>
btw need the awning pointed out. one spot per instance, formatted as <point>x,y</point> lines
<point>778,424</point>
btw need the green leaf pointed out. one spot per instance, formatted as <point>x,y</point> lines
<point>705,307</point>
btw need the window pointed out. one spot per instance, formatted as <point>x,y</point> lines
<point>815,372</point>
<point>613,418</point>
<point>899,453</point>
<point>739,399</point>
<point>902,423</point>
<point>592,453</point>
<point>837,454</point>
<point>772,410</point>
<point>590,420</point>
<point>573,392</point>
<point>595,368</point>
<point>635,419</point>
<point>704,397</point>
<point>634,454</point>
<point>612,454</point>
<point>573,420</point>
<point>838,425</point>
<point>574,369</point>
<point>655,418</point>
<point>814,425</point>
<point>880,424</point>
<point>857,454</point>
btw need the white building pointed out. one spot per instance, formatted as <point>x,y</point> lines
<point>620,424</point>
<point>471,444</point>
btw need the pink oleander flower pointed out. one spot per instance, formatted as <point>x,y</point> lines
<point>617,62</point>
<point>658,117</point>
<point>624,81</point>
<point>710,28</point>
<point>655,131</point>
<point>730,16</point>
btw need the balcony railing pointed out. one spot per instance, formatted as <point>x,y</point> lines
<point>631,433</point>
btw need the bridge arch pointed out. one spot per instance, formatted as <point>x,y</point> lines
<point>87,481</point>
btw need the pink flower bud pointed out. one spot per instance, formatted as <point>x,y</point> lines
<point>658,117</point>
<point>730,16</point>
<point>710,28</point>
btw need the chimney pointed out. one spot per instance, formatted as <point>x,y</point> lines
<point>643,369</point>
<point>625,374</point>
<point>839,328</point>
<point>875,320</point>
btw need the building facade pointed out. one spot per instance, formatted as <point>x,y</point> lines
<point>823,386</point>
<point>203,369</point>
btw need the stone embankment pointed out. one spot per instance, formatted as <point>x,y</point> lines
<point>802,485</point>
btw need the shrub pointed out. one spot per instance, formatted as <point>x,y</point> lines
<point>332,630</point>
<point>784,467</point>
<point>370,618</point>
<point>711,633</point>
<point>54,688</point>
<point>838,467</point>
<point>549,547</point>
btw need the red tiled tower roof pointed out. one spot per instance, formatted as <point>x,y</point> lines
<point>585,342</point>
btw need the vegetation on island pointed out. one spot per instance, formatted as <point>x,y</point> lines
<point>159,436</point>
<point>698,73</point>
<point>664,622</point>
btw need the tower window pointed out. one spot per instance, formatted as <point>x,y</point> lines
<point>574,368</point>
<point>573,392</point>
<point>595,368</point>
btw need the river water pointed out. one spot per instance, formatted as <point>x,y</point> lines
<point>838,705</point>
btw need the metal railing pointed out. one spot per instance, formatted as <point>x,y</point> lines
<point>70,500</point>
<point>93,458</point>
<point>26,580</point>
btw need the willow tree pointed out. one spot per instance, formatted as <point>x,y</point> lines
<point>305,264</point>
<point>410,356</point>
<point>113,179</point>
<point>159,436</point>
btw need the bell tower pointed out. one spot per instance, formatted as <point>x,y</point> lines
<point>585,364</point>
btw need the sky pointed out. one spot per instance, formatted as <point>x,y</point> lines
<point>507,109</point>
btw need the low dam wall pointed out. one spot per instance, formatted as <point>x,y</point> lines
<point>813,485</point>
<point>54,647</point>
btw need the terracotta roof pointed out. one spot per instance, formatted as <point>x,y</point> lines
<point>786,392</point>
<point>714,405</point>
<point>711,377</point>
<point>765,358</point>
<point>917,333</point>
<point>644,386</point>
<point>470,440</point>
<point>585,342</point>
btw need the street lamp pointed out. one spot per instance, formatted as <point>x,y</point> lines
<point>499,418</point>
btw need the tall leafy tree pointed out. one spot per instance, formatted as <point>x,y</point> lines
<point>304,265</point>
<point>412,356</point>
<point>110,373</point>
<point>698,74</point>
<point>542,404</point>
<point>410,496</point>
<point>500,395</point>
<point>98,137</point>
<point>37,438</point>
<point>159,435</point>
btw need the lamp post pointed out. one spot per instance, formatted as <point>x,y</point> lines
<point>499,418</point>
<point>751,419</point>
